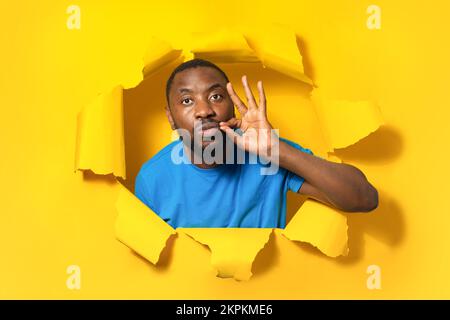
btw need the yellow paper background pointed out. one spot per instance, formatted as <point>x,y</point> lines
<point>52,217</point>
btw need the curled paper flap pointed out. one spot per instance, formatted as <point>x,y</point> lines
<point>345,122</point>
<point>321,226</point>
<point>140,228</point>
<point>225,45</point>
<point>159,54</point>
<point>232,249</point>
<point>100,135</point>
<point>276,47</point>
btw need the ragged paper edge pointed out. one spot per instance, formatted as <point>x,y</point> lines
<point>342,128</point>
<point>253,45</point>
<point>140,228</point>
<point>159,54</point>
<point>100,144</point>
<point>287,59</point>
<point>223,46</point>
<point>233,250</point>
<point>320,225</point>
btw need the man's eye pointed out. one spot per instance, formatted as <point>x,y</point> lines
<point>216,96</point>
<point>184,100</point>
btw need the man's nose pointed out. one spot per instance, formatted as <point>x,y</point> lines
<point>203,110</point>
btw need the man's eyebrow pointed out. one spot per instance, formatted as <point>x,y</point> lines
<point>181,90</point>
<point>214,86</point>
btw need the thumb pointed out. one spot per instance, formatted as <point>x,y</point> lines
<point>233,123</point>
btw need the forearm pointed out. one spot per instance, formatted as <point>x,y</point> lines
<point>345,186</point>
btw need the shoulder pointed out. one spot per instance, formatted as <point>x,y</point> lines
<point>296,145</point>
<point>157,164</point>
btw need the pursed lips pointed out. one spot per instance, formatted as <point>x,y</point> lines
<point>207,128</point>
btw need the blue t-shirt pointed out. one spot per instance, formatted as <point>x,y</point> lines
<point>226,196</point>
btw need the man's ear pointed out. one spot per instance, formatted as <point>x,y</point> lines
<point>169,117</point>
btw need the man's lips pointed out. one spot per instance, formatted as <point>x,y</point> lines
<point>208,129</point>
<point>210,125</point>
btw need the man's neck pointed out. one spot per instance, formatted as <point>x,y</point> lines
<point>190,155</point>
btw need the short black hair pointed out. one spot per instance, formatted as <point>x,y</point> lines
<point>194,63</point>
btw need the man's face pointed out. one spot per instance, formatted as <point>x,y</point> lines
<point>198,102</point>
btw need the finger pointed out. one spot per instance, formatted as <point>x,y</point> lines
<point>233,123</point>
<point>236,100</point>
<point>248,93</point>
<point>249,136</point>
<point>262,97</point>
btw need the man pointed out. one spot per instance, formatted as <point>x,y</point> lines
<point>187,189</point>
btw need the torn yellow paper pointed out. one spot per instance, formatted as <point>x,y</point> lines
<point>345,122</point>
<point>159,53</point>
<point>276,46</point>
<point>333,158</point>
<point>225,45</point>
<point>100,135</point>
<point>321,226</point>
<point>232,249</point>
<point>140,228</point>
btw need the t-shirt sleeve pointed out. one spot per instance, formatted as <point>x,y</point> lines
<point>294,182</point>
